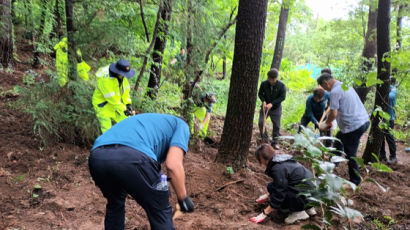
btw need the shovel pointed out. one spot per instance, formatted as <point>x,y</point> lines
<point>265,115</point>
<point>177,212</point>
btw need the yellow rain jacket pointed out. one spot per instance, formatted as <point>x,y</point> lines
<point>110,100</point>
<point>62,63</point>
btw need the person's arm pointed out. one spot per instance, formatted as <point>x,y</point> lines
<point>174,164</point>
<point>109,95</point>
<point>276,102</point>
<point>206,119</point>
<point>280,185</point>
<point>309,112</point>
<point>261,93</point>
<point>331,117</point>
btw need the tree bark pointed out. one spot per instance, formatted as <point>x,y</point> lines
<point>159,47</point>
<point>376,136</point>
<point>6,34</point>
<point>237,131</point>
<point>151,45</point>
<point>72,57</point>
<point>143,20</point>
<point>280,36</point>
<point>368,53</point>
<point>57,26</point>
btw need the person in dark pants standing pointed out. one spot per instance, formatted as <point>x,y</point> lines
<point>352,118</point>
<point>127,160</point>
<point>389,137</point>
<point>272,93</point>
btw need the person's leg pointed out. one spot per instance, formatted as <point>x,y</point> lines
<point>303,122</point>
<point>338,145</point>
<point>391,142</point>
<point>275,116</point>
<point>351,143</point>
<point>383,149</point>
<point>264,136</point>
<point>112,191</point>
<point>105,121</point>
<point>293,202</point>
<point>145,174</point>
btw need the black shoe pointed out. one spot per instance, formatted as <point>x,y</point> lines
<point>392,160</point>
<point>275,146</point>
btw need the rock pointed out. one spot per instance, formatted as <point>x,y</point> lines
<point>229,212</point>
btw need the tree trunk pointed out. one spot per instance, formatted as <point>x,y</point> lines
<point>40,33</point>
<point>143,20</point>
<point>72,57</point>
<point>151,45</point>
<point>159,47</point>
<point>368,53</point>
<point>376,136</point>
<point>57,26</point>
<point>237,131</point>
<point>6,35</point>
<point>223,67</point>
<point>280,36</point>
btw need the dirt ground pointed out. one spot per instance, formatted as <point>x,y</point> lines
<point>67,198</point>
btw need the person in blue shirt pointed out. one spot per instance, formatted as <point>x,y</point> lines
<point>389,137</point>
<point>315,107</point>
<point>127,159</point>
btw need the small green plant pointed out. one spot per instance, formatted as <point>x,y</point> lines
<point>37,186</point>
<point>229,170</point>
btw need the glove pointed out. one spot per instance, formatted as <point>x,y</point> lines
<point>129,111</point>
<point>262,199</point>
<point>260,218</point>
<point>186,205</point>
<point>323,126</point>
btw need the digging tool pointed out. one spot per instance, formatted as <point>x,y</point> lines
<point>265,115</point>
<point>177,212</point>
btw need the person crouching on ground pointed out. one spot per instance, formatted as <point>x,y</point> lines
<point>286,173</point>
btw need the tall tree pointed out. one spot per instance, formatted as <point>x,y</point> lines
<point>376,136</point>
<point>369,51</point>
<point>159,47</point>
<point>6,34</point>
<point>280,36</point>
<point>72,57</point>
<point>237,131</point>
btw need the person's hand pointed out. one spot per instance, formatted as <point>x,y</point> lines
<point>264,104</point>
<point>186,204</point>
<point>259,218</point>
<point>262,199</point>
<point>269,106</point>
<point>324,126</point>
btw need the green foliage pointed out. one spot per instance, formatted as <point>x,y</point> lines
<point>61,114</point>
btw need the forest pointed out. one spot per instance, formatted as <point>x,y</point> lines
<point>207,62</point>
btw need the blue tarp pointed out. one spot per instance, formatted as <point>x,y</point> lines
<point>312,68</point>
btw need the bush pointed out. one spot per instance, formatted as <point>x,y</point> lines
<point>61,114</point>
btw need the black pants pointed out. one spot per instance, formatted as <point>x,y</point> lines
<point>391,142</point>
<point>275,116</point>
<point>350,144</point>
<point>292,202</point>
<point>118,170</point>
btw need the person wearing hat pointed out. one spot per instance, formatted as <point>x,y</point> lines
<point>202,114</point>
<point>111,98</point>
<point>127,160</point>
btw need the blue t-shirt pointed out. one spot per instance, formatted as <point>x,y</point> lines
<point>150,133</point>
<point>392,102</point>
<point>314,110</point>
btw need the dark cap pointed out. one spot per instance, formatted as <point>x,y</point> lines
<point>122,67</point>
